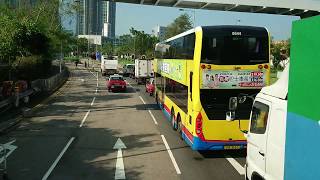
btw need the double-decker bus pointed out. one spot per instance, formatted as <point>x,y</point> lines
<point>198,71</point>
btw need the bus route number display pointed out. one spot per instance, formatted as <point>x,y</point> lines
<point>212,79</point>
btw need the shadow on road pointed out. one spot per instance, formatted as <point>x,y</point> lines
<point>41,138</point>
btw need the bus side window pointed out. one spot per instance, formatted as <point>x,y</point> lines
<point>190,90</point>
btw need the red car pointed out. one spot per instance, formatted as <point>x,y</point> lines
<point>116,83</point>
<point>150,87</point>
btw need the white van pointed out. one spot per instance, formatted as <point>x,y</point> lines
<point>267,132</point>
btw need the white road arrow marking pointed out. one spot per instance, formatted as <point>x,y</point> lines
<point>120,173</point>
<point>6,150</point>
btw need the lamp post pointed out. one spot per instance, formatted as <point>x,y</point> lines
<point>97,24</point>
<point>78,24</point>
<point>194,15</point>
<point>89,29</point>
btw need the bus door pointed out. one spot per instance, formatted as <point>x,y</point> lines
<point>188,119</point>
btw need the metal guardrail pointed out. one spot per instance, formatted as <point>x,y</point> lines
<point>51,83</point>
<point>40,85</point>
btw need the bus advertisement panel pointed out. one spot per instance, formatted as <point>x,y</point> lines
<point>224,79</point>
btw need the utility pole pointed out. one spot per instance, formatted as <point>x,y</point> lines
<point>60,57</point>
<point>9,68</point>
<point>78,25</point>
<point>60,68</point>
<point>97,24</point>
<point>88,25</point>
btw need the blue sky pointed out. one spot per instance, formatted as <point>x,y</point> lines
<point>143,17</point>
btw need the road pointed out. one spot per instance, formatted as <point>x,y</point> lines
<point>72,136</point>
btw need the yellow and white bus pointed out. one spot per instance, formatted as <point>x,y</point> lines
<point>198,71</point>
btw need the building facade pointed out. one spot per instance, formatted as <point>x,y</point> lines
<point>96,17</point>
<point>159,32</point>
<point>109,19</point>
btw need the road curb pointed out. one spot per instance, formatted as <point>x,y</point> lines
<point>8,125</point>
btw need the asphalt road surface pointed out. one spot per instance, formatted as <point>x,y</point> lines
<point>72,136</point>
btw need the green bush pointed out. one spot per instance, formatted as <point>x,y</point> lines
<point>124,61</point>
<point>72,59</point>
<point>31,67</point>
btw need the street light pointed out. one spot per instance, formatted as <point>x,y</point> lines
<point>194,15</point>
<point>78,24</point>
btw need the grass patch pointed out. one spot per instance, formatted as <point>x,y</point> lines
<point>72,59</point>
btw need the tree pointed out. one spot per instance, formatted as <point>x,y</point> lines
<point>107,49</point>
<point>32,36</point>
<point>280,50</point>
<point>179,25</point>
<point>137,43</point>
<point>82,44</point>
<point>8,32</point>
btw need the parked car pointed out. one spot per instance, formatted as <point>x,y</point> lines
<point>116,83</point>
<point>150,87</point>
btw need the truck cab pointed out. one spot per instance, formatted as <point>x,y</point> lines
<point>267,132</point>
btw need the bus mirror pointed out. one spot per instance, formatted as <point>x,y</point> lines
<point>244,132</point>
<point>230,116</point>
<point>242,99</point>
<point>233,103</point>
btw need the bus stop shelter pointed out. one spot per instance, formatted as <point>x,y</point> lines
<point>302,8</point>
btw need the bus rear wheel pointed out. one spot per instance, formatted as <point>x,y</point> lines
<point>173,120</point>
<point>157,99</point>
<point>179,122</point>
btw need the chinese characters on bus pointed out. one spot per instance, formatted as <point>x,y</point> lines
<point>212,79</point>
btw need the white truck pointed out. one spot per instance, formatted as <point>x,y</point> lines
<point>109,65</point>
<point>143,70</point>
<point>284,130</point>
<point>267,131</point>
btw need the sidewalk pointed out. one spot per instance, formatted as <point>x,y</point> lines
<point>10,118</point>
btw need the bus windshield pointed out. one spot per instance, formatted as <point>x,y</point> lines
<point>215,103</point>
<point>234,50</point>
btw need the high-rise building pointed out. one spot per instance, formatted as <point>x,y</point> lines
<point>96,17</point>
<point>19,3</point>
<point>159,32</point>
<point>109,19</point>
